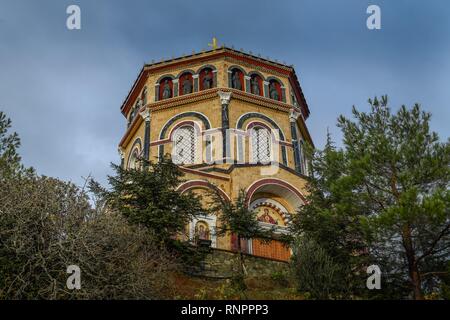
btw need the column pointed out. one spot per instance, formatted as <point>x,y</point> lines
<point>195,77</point>
<point>146,115</point>
<point>157,92</point>
<point>247,84</point>
<point>266,89</point>
<point>225,98</point>
<point>214,78</point>
<point>175,87</point>
<point>283,94</point>
<point>293,116</point>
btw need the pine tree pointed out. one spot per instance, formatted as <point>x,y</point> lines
<point>10,160</point>
<point>147,196</point>
<point>236,218</point>
<point>315,269</point>
<point>384,198</point>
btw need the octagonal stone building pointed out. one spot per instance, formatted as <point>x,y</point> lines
<point>231,121</point>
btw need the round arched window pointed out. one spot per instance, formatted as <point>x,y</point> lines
<point>261,145</point>
<point>184,145</point>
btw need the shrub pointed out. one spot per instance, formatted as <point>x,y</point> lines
<point>315,270</point>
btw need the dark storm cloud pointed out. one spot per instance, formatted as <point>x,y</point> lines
<point>63,89</point>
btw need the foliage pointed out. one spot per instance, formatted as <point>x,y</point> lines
<point>47,225</point>
<point>236,218</point>
<point>383,199</point>
<point>149,198</point>
<point>317,274</point>
<point>281,278</point>
<point>9,157</point>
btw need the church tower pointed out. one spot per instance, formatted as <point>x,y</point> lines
<point>231,121</point>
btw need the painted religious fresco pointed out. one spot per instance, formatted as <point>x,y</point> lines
<point>269,215</point>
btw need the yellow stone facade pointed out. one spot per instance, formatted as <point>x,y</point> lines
<point>261,104</point>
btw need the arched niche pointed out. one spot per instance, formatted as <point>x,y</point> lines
<point>165,88</point>
<point>256,83</point>
<point>186,83</point>
<point>236,78</point>
<point>207,77</point>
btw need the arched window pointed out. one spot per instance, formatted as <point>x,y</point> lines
<point>256,85</point>
<point>184,145</point>
<point>133,161</point>
<point>186,83</point>
<point>275,90</point>
<point>237,79</point>
<point>165,88</point>
<point>261,145</point>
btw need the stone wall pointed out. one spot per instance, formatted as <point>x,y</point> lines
<point>222,264</point>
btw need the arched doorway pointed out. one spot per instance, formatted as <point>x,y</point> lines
<point>274,201</point>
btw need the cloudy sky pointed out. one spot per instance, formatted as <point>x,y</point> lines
<point>63,89</point>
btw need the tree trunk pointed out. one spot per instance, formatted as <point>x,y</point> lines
<point>241,257</point>
<point>413,269</point>
<point>417,283</point>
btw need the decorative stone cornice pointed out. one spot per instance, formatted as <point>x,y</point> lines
<point>211,93</point>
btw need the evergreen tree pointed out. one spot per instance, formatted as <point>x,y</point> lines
<point>384,198</point>
<point>316,271</point>
<point>47,224</point>
<point>10,161</point>
<point>330,220</point>
<point>148,197</point>
<point>235,218</point>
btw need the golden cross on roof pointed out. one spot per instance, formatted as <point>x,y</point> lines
<point>213,44</point>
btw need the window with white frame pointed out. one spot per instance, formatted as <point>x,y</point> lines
<point>184,145</point>
<point>261,145</point>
